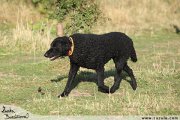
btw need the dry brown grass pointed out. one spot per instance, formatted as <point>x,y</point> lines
<point>15,10</point>
<point>21,35</point>
<point>24,38</point>
<point>134,16</point>
<point>131,17</point>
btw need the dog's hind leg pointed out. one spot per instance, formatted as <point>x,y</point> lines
<point>119,64</point>
<point>72,74</point>
<point>100,76</point>
<point>131,75</point>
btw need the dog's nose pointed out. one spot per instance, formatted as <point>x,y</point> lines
<point>45,55</point>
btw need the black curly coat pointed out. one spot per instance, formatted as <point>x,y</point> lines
<point>93,52</point>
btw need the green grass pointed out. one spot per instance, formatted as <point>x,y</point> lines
<point>157,72</point>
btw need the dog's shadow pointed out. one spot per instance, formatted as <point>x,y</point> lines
<point>86,76</point>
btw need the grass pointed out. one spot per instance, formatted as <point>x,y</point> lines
<point>157,73</point>
<point>15,10</point>
<point>136,16</point>
<point>23,68</point>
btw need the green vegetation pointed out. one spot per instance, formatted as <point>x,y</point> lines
<point>157,73</point>
<point>24,37</point>
<point>80,15</point>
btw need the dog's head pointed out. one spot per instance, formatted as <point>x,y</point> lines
<point>59,48</point>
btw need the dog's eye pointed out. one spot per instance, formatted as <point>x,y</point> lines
<point>55,49</point>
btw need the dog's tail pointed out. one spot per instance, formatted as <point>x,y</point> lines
<point>133,55</point>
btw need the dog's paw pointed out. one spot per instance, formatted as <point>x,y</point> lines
<point>103,89</point>
<point>64,94</point>
<point>113,89</point>
<point>133,85</point>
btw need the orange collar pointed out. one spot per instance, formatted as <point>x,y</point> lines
<point>70,52</point>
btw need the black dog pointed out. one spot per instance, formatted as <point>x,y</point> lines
<point>93,52</point>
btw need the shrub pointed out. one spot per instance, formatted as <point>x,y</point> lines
<point>77,15</point>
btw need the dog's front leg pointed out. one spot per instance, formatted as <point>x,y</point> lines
<point>72,74</point>
<point>100,76</point>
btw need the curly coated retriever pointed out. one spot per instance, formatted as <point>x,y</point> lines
<point>93,52</point>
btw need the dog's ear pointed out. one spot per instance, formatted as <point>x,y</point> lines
<point>59,30</point>
<point>65,45</point>
<point>66,42</point>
